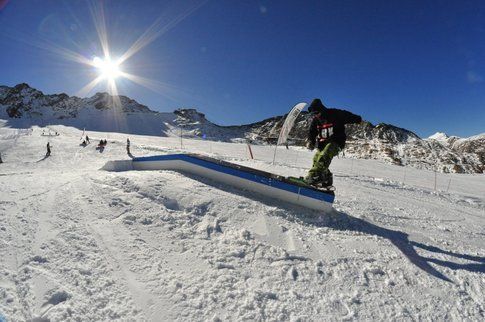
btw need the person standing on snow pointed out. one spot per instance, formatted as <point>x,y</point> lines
<point>327,134</point>
<point>48,150</point>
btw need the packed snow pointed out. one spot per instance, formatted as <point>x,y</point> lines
<point>81,242</point>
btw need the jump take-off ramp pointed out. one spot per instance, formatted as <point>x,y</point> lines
<point>264,183</point>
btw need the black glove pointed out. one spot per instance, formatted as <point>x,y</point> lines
<point>310,145</point>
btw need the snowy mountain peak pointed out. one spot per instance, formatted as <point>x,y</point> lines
<point>24,101</point>
<point>23,86</point>
<point>439,136</point>
<point>103,101</point>
<point>189,116</point>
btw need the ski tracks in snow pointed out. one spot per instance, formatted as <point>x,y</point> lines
<point>61,273</point>
<point>186,244</point>
<point>205,250</point>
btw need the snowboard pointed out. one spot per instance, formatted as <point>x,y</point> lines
<point>301,181</point>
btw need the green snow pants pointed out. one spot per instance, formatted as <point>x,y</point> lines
<point>322,159</point>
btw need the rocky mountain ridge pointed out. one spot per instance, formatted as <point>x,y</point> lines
<point>23,100</point>
<point>25,106</point>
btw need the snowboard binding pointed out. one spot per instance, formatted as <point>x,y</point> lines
<point>319,183</point>
<point>324,179</point>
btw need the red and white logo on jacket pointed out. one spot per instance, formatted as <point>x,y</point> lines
<point>325,131</point>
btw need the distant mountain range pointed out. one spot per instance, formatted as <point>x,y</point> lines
<point>24,106</point>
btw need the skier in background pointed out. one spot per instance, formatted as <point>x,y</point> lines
<point>128,145</point>
<point>48,150</point>
<point>327,134</point>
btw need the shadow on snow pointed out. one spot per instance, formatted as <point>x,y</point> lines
<point>347,222</point>
<point>408,248</point>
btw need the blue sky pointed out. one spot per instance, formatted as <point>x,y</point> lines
<point>415,64</point>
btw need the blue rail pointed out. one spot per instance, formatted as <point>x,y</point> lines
<point>261,177</point>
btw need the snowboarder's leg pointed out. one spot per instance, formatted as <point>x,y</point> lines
<point>325,157</point>
<point>321,161</point>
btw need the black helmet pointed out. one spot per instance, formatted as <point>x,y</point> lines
<point>316,106</point>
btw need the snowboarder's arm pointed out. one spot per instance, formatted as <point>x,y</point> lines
<point>312,131</point>
<point>347,117</point>
<point>312,135</point>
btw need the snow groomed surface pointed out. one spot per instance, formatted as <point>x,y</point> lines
<point>268,184</point>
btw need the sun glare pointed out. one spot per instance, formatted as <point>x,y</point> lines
<point>108,69</point>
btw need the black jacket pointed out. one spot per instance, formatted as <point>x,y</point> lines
<point>330,127</point>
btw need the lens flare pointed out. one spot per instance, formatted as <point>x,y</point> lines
<point>108,69</point>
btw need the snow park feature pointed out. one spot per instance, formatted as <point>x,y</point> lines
<point>264,183</point>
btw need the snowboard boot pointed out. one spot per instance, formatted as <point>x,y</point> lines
<point>320,180</point>
<point>313,180</point>
<point>327,179</point>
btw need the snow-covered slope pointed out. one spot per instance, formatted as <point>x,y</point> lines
<point>470,151</point>
<point>23,106</point>
<point>472,145</point>
<point>81,243</point>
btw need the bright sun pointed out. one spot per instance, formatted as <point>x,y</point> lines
<point>108,69</point>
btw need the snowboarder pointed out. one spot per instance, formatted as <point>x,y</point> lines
<point>327,134</point>
<point>48,150</point>
<point>128,145</point>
